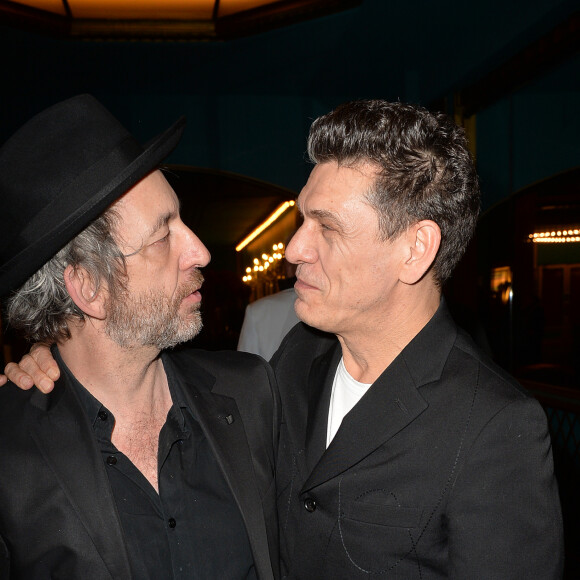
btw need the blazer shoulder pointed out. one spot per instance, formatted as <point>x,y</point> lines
<point>13,402</point>
<point>233,373</point>
<point>492,376</point>
<point>302,344</point>
<point>221,362</point>
<point>15,425</point>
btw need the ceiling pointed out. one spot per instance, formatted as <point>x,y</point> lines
<point>163,19</point>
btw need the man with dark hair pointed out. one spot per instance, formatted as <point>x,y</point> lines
<point>139,463</point>
<point>404,451</point>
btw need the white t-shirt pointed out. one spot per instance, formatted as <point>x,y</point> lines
<point>346,393</point>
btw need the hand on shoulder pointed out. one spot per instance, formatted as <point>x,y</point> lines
<point>37,368</point>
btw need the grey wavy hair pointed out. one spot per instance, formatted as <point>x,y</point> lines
<point>42,308</point>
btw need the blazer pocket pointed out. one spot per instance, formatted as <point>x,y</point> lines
<point>377,536</point>
<point>383,515</point>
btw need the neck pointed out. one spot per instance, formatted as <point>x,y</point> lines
<point>126,380</point>
<point>131,383</point>
<point>368,350</point>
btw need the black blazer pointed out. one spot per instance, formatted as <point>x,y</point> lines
<point>57,513</point>
<point>442,470</point>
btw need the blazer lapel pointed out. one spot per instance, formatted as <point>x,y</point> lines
<point>391,403</point>
<point>222,424</point>
<point>65,439</point>
<point>387,407</point>
<point>320,383</point>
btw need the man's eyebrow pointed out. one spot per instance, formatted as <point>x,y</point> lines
<point>326,215</point>
<point>163,220</point>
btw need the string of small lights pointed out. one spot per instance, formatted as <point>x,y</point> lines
<point>267,264</point>
<point>556,236</point>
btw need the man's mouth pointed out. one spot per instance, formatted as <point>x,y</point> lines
<point>193,297</point>
<point>191,292</point>
<point>301,284</point>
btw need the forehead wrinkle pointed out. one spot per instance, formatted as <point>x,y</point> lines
<point>318,214</point>
<point>164,218</point>
<point>161,221</point>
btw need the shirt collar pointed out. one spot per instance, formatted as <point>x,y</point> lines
<point>93,406</point>
<point>89,403</point>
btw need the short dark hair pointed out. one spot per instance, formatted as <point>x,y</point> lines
<point>424,169</point>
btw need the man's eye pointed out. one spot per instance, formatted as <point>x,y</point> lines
<point>163,240</point>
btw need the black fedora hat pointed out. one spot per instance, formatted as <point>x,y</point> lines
<point>59,172</point>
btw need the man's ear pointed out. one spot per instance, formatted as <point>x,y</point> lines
<point>422,241</point>
<point>81,289</point>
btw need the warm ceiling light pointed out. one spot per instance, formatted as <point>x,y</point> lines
<point>268,222</point>
<point>156,9</point>
<point>143,8</point>
<point>184,19</point>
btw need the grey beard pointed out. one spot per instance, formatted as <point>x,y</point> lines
<point>151,319</point>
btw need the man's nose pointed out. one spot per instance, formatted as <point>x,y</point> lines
<point>299,249</point>
<point>195,254</point>
<point>291,253</point>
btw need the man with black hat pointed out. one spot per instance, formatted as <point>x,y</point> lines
<point>140,463</point>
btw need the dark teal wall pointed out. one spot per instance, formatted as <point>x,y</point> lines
<point>250,102</point>
<point>530,135</point>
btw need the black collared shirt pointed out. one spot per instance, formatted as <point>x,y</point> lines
<point>192,529</point>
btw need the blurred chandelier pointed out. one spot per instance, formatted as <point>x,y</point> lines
<point>163,19</point>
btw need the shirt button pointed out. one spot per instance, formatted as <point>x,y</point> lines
<point>172,523</point>
<point>103,415</point>
<point>309,504</point>
<point>111,460</point>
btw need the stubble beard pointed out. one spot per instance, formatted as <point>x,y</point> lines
<point>150,319</point>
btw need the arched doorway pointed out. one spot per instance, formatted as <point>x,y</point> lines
<point>529,271</point>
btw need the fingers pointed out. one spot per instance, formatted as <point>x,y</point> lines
<point>41,367</point>
<point>28,373</point>
<point>45,361</point>
<point>18,376</point>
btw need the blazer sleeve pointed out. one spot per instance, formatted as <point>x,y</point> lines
<point>504,511</point>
